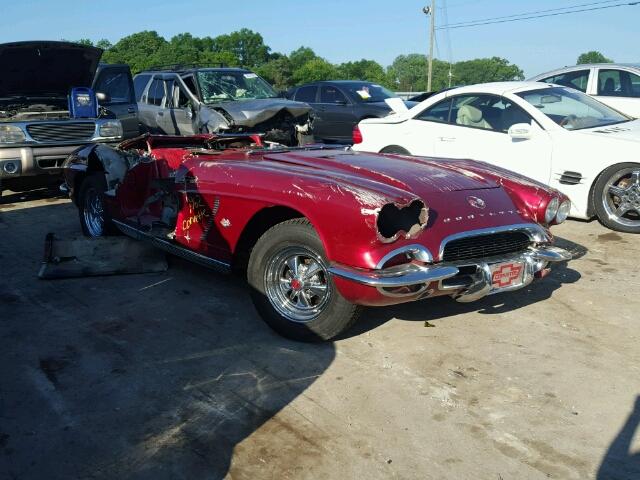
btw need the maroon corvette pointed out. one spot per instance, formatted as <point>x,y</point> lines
<point>322,232</point>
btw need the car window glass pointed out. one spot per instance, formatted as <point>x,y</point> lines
<point>156,92</point>
<point>189,82</point>
<point>577,79</point>
<point>330,94</point>
<point>116,85</point>
<point>181,98</point>
<point>489,112</point>
<point>618,83</point>
<point>139,83</point>
<point>306,94</point>
<point>436,113</point>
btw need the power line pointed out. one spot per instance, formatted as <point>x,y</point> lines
<point>570,7</point>
<point>495,20</point>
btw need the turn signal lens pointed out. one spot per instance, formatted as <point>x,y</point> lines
<point>563,211</point>
<point>552,210</point>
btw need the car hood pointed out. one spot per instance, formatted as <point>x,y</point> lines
<point>41,68</point>
<point>418,175</point>
<point>627,131</point>
<point>252,112</point>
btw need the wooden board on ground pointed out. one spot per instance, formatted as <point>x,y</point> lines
<point>84,257</point>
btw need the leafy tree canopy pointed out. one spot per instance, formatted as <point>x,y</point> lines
<point>246,48</point>
<point>592,57</point>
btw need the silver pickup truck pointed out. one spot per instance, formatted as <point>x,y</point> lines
<point>37,132</point>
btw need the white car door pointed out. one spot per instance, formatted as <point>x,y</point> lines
<point>419,134</point>
<point>618,88</point>
<point>478,129</point>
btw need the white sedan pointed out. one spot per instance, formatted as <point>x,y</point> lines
<point>553,134</point>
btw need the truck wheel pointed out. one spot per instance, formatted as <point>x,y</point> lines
<point>94,219</point>
<point>292,288</point>
<point>616,197</point>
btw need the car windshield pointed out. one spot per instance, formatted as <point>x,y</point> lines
<point>225,86</point>
<point>368,92</point>
<point>571,109</point>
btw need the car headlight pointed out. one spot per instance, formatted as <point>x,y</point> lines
<point>563,211</point>
<point>552,210</point>
<point>112,128</point>
<point>11,134</point>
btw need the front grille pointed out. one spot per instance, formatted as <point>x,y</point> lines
<point>481,246</point>
<point>61,132</point>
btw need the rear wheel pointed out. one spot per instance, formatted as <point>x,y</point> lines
<point>397,149</point>
<point>292,288</point>
<point>94,218</point>
<point>616,197</point>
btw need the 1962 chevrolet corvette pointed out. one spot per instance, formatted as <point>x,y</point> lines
<point>322,232</point>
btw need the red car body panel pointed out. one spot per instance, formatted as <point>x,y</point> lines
<point>340,192</point>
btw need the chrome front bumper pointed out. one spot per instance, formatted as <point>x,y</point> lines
<point>465,287</point>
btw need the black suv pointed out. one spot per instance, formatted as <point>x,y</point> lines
<point>177,100</point>
<point>338,106</point>
<point>37,132</point>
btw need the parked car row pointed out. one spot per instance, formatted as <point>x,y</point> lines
<point>214,178</point>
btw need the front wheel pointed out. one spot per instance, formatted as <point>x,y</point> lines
<point>94,219</point>
<point>396,149</point>
<point>616,197</point>
<point>292,288</point>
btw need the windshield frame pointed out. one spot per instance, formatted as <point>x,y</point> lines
<point>199,74</point>
<point>578,96</point>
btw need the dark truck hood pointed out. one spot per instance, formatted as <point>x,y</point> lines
<point>252,112</point>
<point>42,68</point>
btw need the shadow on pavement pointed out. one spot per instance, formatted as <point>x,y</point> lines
<point>619,463</point>
<point>137,376</point>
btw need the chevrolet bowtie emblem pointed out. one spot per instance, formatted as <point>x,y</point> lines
<point>476,202</point>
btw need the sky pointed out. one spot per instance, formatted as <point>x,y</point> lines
<point>348,29</point>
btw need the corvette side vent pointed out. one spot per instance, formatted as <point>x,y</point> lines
<point>570,178</point>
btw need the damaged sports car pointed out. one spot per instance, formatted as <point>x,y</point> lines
<point>319,232</point>
<point>184,101</point>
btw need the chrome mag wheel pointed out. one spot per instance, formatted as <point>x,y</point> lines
<point>621,197</point>
<point>93,212</point>
<point>297,284</point>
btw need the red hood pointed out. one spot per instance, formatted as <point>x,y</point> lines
<point>418,175</point>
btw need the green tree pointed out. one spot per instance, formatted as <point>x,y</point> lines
<point>104,44</point>
<point>369,70</point>
<point>246,45</point>
<point>139,50</point>
<point>314,70</point>
<point>408,73</point>
<point>301,56</point>
<point>277,72</point>
<point>480,70</point>
<point>592,57</point>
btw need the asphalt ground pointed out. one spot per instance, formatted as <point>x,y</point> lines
<point>174,375</point>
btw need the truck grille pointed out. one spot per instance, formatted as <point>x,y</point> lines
<point>481,246</point>
<point>61,132</point>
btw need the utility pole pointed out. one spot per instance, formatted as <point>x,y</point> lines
<point>431,11</point>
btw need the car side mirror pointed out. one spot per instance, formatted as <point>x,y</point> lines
<point>520,131</point>
<point>103,97</point>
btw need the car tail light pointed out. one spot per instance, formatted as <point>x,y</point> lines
<point>356,135</point>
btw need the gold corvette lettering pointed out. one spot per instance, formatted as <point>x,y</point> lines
<point>197,211</point>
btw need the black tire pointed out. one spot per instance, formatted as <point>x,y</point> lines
<point>604,200</point>
<point>93,187</point>
<point>397,149</point>
<point>333,315</point>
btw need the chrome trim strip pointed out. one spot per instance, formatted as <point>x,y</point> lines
<point>419,252</point>
<point>397,276</point>
<point>535,232</point>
